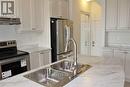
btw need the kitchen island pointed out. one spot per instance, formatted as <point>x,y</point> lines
<point>100,75</point>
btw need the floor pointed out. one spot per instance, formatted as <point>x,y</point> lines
<point>127,84</point>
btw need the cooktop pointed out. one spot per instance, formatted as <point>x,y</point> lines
<point>8,49</point>
<point>11,55</point>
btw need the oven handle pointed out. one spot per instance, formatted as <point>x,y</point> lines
<point>15,59</point>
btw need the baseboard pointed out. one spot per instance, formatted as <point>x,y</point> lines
<point>127,79</point>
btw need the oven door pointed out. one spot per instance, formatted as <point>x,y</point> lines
<point>14,66</point>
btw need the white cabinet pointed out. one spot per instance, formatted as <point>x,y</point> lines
<point>117,14</point>
<point>123,14</point>
<point>40,58</point>
<point>127,67</point>
<point>114,57</point>
<point>111,14</point>
<point>24,13</point>
<point>31,14</point>
<point>108,55</point>
<point>34,60</point>
<point>44,58</point>
<point>37,8</point>
<point>118,57</point>
<point>59,8</point>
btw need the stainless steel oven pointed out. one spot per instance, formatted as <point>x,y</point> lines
<point>14,66</point>
<point>12,61</point>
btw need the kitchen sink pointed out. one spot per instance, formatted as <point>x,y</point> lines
<point>49,77</point>
<point>69,67</point>
<point>57,75</point>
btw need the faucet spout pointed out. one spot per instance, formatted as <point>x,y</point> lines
<point>75,51</point>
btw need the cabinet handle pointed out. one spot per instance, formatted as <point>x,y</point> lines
<point>41,53</point>
<point>33,28</point>
<point>126,52</point>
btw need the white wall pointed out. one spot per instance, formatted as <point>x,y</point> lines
<point>75,7</point>
<point>97,12</point>
<point>98,26</point>
<point>7,33</point>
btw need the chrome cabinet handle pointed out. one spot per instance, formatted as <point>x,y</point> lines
<point>41,53</point>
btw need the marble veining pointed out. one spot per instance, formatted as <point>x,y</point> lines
<point>100,76</point>
<point>18,81</point>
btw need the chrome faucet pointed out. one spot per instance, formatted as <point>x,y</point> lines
<point>75,50</point>
<point>75,56</point>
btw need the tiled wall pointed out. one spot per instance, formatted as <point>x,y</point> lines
<point>9,33</point>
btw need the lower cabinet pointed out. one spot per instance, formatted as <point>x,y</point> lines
<point>127,67</point>
<point>40,58</point>
<point>118,57</point>
<point>34,60</point>
<point>44,58</point>
<point>108,55</point>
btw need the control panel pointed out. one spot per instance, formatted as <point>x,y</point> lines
<point>8,44</point>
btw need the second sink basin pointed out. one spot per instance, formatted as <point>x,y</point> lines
<point>68,66</point>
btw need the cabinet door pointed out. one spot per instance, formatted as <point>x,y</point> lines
<point>59,8</point>
<point>64,8</point>
<point>127,67</point>
<point>111,14</point>
<point>123,14</point>
<point>37,14</point>
<point>44,58</point>
<point>24,13</point>
<point>31,14</point>
<point>34,60</point>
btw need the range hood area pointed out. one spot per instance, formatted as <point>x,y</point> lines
<point>9,21</point>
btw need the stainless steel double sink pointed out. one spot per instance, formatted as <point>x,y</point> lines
<point>57,75</point>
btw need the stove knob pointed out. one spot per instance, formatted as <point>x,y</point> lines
<point>9,43</point>
<point>13,42</point>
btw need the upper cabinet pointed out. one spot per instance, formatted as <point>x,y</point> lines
<point>123,14</point>
<point>111,14</point>
<point>59,8</point>
<point>31,14</point>
<point>117,14</point>
<point>37,14</point>
<point>24,13</point>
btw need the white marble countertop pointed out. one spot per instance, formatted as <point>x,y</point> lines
<point>98,76</point>
<point>125,48</point>
<point>35,49</point>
